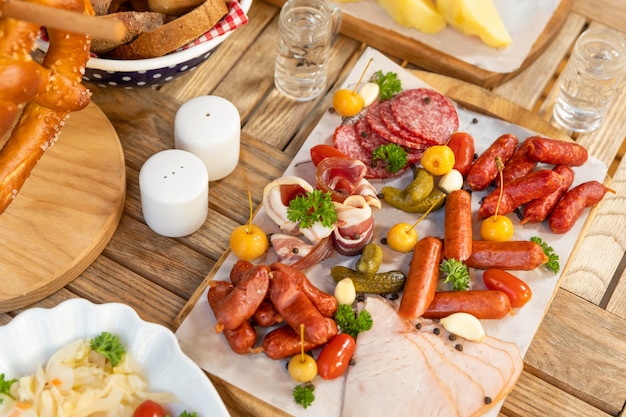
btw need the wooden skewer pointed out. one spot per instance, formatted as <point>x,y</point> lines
<point>63,19</point>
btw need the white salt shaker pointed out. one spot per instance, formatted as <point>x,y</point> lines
<point>174,189</point>
<point>210,128</point>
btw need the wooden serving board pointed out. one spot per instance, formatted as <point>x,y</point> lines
<point>431,59</point>
<point>66,212</point>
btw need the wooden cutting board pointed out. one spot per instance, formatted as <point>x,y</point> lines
<point>66,212</point>
<point>431,59</point>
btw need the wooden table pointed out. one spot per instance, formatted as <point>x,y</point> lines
<point>576,365</point>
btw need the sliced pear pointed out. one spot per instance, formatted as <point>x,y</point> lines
<point>464,325</point>
<point>417,14</point>
<point>476,17</point>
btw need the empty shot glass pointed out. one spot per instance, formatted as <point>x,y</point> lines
<point>591,79</point>
<point>307,29</point>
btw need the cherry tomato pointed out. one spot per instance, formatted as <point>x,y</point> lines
<point>322,151</point>
<point>248,242</point>
<point>518,292</point>
<point>462,144</point>
<point>402,237</point>
<point>497,228</point>
<point>335,356</point>
<point>347,102</point>
<point>149,408</point>
<point>438,160</point>
<point>302,368</point>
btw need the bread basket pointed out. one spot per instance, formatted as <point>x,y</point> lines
<point>153,72</point>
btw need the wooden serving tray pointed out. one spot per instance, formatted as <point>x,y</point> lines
<point>467,95</point>
<point>66,212</point>
<point>431,59</point>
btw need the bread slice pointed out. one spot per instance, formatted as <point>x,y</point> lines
<point>175,33</point>
<point>136,23</point>
<point>173,7</point>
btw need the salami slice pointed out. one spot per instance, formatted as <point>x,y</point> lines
<point>347,140</point>
<point>378,126</point>
<point>387,117</point>
<point>426,114</point>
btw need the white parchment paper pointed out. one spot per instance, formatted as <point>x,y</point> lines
<point>524,19</point>
<point>268,379</point>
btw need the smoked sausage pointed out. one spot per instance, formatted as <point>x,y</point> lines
<point>513,254</point>
<point>239,270</point>
<point>538,210</point>
<point>242,339</point>
<point>458,225</point>
<point>284,342</point>
<point>556,152</point>
<point>326,304</point>
<point>241,303</point>
<point>297,309</point>
<point>483,304</point>
<point>421,281</point>
<point>518,165</point>
<point>572,204</point>
<point>537,184</point>
<point>484,169</point>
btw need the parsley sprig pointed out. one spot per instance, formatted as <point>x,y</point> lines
<point>5,387</point>
<point>352,323</point>
<point>393,155</point>
<point>389,84</point>
<point>457,273</point>
<point>109,346</point>
<point>553,259</point>
<point>303,394</point>
<point>315,206</point>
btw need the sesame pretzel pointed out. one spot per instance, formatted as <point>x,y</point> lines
<point>45,93</point>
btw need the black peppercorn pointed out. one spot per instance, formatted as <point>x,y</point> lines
<point>437,331</point>
<point>487,400</point>
<point>459,347</point>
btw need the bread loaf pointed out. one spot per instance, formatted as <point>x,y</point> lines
<point>136,23</point>
<point>175,33</point>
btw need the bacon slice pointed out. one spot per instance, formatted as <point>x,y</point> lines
<point>355,225</point>
<point>343,177</point>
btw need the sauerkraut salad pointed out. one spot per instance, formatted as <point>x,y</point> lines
<point>86,378</point>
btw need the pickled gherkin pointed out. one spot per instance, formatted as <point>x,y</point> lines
<point>421,188</point>
<point>370,260</point>
<point>379,283</point>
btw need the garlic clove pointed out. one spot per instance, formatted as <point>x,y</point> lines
<point>345,292</point>
<point>451,181</point>
<point>464,325</point>
<point>369,93</point>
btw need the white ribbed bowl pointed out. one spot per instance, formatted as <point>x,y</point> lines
<point>34,335</point>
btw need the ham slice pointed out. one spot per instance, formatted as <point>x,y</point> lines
<point>401,368</point>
